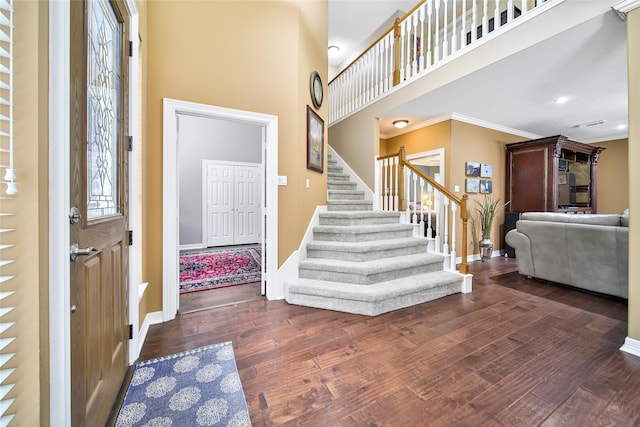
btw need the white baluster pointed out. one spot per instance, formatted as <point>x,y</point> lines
<point>415,42</point>
<point>429,32</point>
<point>407,195</point>
<point>510,11</point>
<point>400,47</point>
<point>377,179</point>
<point>524,6</point>
<point>463,32</point>
<point>454,208</point>
<point>415,202</point>
<point>445,243</point>
<point>395,192</point>
<point>421,61</point>
<point>454,31</point>
<point>474,21</point>
<point>386,185</point>
<point>445,33</point>
<point>430,247</point>
<point>485,18</point>
<point>436,48</point>
<point>438,242</point>
<point>389,44</point>
<point>408,58</point>
<point>421,228</point>
<point>496,17</point>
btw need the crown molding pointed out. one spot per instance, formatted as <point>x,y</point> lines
<point>464,119</point>
<point>625,6</point>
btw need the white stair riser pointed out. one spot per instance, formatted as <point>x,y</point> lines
<point>362,278</point>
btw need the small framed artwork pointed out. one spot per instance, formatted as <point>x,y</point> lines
<point>315,141</point>
<point>472,169</point>
<point>486,171</point>
<point>472,186</point>
<point>486,186</point>
<point>562,179</point>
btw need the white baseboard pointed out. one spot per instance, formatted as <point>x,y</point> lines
<point>631,346</point>
<point>150,319</point>
<point>192,246</point>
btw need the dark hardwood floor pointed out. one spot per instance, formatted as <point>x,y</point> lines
<point>204,300</point>
<point>513,352</point>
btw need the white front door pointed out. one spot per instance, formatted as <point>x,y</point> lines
<point>232,203</point>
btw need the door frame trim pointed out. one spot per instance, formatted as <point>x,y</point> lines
<point>170,207</point>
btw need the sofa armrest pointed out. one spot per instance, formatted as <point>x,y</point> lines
<point>521,243</point>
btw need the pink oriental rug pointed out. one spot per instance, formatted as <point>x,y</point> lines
<point>219,268</point>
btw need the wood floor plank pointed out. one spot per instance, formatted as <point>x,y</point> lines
<point>514,352</point>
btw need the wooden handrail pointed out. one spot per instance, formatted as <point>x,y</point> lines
<point>396,24</point>
<point>462,202</point>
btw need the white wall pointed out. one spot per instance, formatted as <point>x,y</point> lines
<point>211,139</point>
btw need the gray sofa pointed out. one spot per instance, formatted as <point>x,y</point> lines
<point>587,251</point>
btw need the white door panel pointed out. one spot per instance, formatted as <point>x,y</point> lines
<point>232,203</point>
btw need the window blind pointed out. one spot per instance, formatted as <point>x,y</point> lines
<point>7,208</point>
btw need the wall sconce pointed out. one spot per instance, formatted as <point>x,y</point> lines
<point>401,123</point>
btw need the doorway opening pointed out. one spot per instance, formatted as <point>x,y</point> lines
<point>261,148</point>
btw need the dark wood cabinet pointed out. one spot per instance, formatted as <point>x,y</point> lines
<point>552,174</point>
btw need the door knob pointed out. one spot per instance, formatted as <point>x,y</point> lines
<point>77,251</point>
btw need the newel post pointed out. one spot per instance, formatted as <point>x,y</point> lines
<point>396,53</point>
<point>464,215</point>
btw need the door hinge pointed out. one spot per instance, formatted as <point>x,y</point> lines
<point>130,139</point>
<point>130,237</point>
<point>131,331</point>
<point>130,48</point>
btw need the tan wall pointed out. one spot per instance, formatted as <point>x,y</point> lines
<point>633,40</point>
<point>425,139</point>
<point>254,56</point>
<point>613,177</point>
<point>471,143</point>
<point>31,223</point>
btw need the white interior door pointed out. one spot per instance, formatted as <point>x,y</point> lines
<point>247,205</point>
<point>219,204</point>
<point>232,203</point>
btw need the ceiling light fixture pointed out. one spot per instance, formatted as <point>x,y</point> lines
<point>333,49</point>
<point>560,100</point>
<point>401,123</point>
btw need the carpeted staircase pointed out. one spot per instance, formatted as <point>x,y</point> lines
<point>364,261</point>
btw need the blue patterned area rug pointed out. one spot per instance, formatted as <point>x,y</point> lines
<point>198,387</point>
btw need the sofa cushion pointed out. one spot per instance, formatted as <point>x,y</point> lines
<point>624,221</point>
<point>612,220</point>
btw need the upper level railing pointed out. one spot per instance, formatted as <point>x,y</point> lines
<point>401,187</point>
<point>432,32</point>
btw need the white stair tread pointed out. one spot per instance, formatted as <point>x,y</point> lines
<point>371,267</point>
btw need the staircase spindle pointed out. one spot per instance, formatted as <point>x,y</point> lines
<point>386,185</point>
<point>407,197</point>
<point>396,207</point>
<point>485,18</point>
<point>445,243</point>
<point>445,41</point>
<point>421,62</point>
<point>454,30</point>
<point>421,224</point>
<point>429,32</point>
<point>454,209</point>
<point>463,31</point>
<point>496,17</point>
<point>436,49</point>
<point>438,242</point>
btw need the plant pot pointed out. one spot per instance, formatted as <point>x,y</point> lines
<point>486,248</point>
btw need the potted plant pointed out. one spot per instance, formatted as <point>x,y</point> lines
<point>487,210</point>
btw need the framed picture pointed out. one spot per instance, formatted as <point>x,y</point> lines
<point>486,171</point>
<point>472,169</point>
<point>486,186</point>
<point>315,141</point>
<point>562,178</point>
<point>472,186</point>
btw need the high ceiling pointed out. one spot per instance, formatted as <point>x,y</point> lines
<point>586,64</point>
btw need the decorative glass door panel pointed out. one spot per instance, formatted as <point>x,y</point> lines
<point>103,110</point>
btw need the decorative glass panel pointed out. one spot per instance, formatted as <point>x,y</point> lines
<point>103,110</point>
